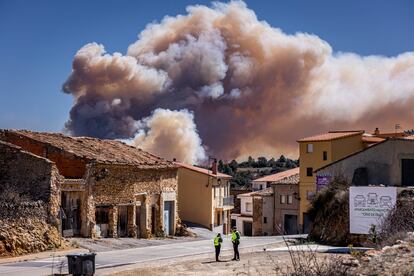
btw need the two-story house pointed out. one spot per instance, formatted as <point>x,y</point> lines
<point>204,197</point>
<point>318,151</point>
<point>270,209</point>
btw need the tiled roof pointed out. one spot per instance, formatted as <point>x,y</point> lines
<point>103,151</point>
<point>332,135</point>
<point>202,170</point>
<point>293,179</point>
<point>278,176</point>
<point>264,192</point>
<point>372,139</point>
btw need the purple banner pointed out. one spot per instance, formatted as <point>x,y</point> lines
<point>322,181</point>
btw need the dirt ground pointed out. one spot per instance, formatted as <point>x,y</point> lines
<point>258,263</point>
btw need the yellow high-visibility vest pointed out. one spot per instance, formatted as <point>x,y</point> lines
<point>217,241</point>
<point>234,235</point>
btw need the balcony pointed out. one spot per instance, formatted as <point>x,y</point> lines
<point>224,202</point>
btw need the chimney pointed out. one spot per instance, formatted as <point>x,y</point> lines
<point>214,166</point>
<point>376,131</point>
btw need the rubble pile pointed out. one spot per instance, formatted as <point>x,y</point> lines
<point>27,231</point>
<point>390,260</point>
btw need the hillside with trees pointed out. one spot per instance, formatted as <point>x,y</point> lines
<point>244,172</point>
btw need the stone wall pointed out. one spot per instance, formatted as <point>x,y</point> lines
<point>28,176</point>
<point>235,193</point>
<point>257,216</point>
<point>24,228</point>
<point>113,185</point>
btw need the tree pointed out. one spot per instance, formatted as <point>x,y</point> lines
<point>282,159</point>
<point>251,161</point>
<point>234,165</point>
<point>228,170</point>
<point>261,162</point>
<point>220,166</point>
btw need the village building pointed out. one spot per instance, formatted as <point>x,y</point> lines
<point>103,187</point>
<point>321,150</point>
<point>389,163</point>
<point>204,197</point>
<point>271,209</point>
<point>286,203</point>
<point>31,177</point>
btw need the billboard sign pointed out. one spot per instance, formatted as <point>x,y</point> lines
<point>368,205</point>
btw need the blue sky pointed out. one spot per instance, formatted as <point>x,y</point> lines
<point>38,40</point>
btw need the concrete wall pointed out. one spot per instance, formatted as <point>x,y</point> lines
<point>383,163</point>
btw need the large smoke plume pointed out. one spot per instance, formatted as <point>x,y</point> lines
<point>241,85</point>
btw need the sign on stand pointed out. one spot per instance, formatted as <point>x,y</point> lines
<point>368,205</point>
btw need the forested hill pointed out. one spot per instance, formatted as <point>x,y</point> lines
<point>244,172</point>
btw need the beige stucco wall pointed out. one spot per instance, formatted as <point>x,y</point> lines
<point>195,197</point>
<point>336,149</point>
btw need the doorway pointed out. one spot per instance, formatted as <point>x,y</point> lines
<point>122,221</point>
<point>247,228</point>
<point>169,218</point>
<point>70,214</point>
<point>407,172</point>
<point>291,225</point>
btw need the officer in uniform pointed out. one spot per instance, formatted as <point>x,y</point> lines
<point>217,245</point>
<point>235,239</point>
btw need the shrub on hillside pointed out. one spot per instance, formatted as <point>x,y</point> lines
<point>330,215</point>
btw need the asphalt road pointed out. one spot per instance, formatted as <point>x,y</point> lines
<point>124,257</point>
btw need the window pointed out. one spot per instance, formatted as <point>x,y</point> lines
<point>325,155</point>
<point>289,199</point>
<point>309,148</point>
<point>264,219</point>
<point>282,199</point>
<point>215,191</point>
<point>309,171</point>
<point>249,206</point>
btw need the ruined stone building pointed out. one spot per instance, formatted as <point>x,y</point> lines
<point>93,187</point>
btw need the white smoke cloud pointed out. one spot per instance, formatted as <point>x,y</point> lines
<point>171,134</point>
<point>249,86</point>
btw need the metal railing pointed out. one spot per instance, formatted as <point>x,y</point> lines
<point>224,201</point>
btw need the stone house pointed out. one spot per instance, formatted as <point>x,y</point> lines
<point>107,188</point>
<point>268,211</point>
<point>204,197</point>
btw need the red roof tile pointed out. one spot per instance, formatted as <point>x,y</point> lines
<point>278,176</point>
<point>202,170</point>
<point>332,135</point>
